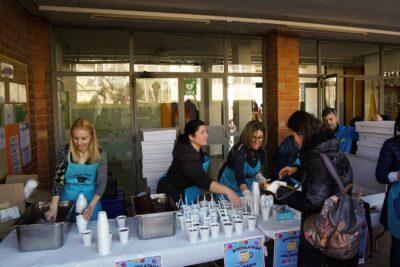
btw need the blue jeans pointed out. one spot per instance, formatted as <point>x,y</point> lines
<point>395,252</point>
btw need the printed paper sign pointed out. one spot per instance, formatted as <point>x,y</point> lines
<point>154,261</point>
<point>244,253</point>
<point>2,138</point>
<point>286,249</point>
<point>7,70</point>
<point>24,135</point>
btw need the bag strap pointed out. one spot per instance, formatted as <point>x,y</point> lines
<point>331,169</point>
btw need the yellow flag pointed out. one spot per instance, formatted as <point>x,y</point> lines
<point>372,105</point>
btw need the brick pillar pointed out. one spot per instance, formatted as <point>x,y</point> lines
<point>41,101</point>
<point>282,75</point>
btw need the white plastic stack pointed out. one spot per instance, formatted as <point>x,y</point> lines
<point>372,135</point>
<point>103,234</point>
<point>157,146</point>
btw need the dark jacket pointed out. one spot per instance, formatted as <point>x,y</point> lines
<point>286,154</point>
<point>186,169</point>
<point>237,157</point>
<point>389,161</point>
<point>317,187</point>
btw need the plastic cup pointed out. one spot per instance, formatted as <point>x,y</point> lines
<point>81,223</point>
<point>181,220</point>
<point>265,212</point>
<point>204,232</point>
<point>87,237</point>
<point>228,229</point>
<point>121,221</point>
<point>245,217</point>
<point>215,230</point>
<point>238,226</point>
<point>123,234</point>
<point>251,222</point>
<point>193,234</point>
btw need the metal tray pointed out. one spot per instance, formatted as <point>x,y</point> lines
<point>156,225</point>
<point>35,233</point>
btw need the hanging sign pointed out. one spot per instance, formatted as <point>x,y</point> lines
<point>286,249</point>
<point>190,86</point>
<point>154,261</point>
<point>244,253</point>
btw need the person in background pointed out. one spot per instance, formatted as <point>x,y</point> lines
<point>388,172</point>
<point>187,174</point>
<point>345,134</point>
<point>318,184</point>
<point>287,155</point>
<point>81,168</point>
<point>245,161</point>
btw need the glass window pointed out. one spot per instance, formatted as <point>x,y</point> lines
<point>92,50</point>
<point>244,55</point>
<point>309,95</point>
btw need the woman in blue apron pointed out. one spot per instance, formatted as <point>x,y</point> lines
<point>388,172</point>
<point>245,161</point>
<point>187,176</point>
<point>81,168</point>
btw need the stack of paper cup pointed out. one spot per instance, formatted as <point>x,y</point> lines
<point>121,220</point>
<point>103,234</point>
<point>266,204</point>
<point>256,198</point>
<point>81,223</point>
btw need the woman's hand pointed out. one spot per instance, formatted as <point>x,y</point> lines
<point>88,212</point>
<point>287,171</point>
<point>234,198</point>
<point>51,214</point>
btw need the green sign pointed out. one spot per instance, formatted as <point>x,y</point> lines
<point>190,86</point>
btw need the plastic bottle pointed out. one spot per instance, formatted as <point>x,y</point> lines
<point>80,204</point>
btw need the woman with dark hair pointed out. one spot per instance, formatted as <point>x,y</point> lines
<point>245,161</point>
<point>318,185</point>
<point>187,174</point>
<point>388,172</point>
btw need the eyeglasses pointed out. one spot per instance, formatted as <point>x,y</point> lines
<point>259,139</point>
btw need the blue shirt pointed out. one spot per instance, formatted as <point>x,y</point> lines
<point>346,135</point>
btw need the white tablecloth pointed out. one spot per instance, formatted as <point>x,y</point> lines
<point>271,227</point>
<point>175,250</point>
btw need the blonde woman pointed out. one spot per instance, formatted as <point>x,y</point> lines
<point>81,168</point>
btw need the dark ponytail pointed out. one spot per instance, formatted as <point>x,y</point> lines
<point>190,129</point>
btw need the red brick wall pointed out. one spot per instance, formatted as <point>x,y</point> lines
<point>282,70</point>
<point>25,38</point>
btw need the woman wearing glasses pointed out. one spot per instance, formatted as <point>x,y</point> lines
<point>245,161</point>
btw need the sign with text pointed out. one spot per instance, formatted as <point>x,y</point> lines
<point>286,249</point>
<point>244,253</point>
<point>154,261</point>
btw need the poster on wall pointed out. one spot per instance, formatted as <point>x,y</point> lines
<point>6,70</point>
<point>249,252</point>
<point>14,92</point>
<point>24,135</point>
<point>2,138</point>
<point>8,114</point>
<point>21,112</point>
<point>154,261</point>
<point>12,149</point>
<point>286,249</point>
<point>190,86</point>
<point>22,94</point>
<point>2,93</point>
<point>26,156</point>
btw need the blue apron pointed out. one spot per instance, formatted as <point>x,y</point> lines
<point>193,192</point>
<point>394,210</point>
<point>228,177</point>
<point>81,178</point>
<point>346,135</point>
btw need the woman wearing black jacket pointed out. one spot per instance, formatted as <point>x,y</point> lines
<point>387,172</point>
<point>189,167</point>
<point>318,184</point>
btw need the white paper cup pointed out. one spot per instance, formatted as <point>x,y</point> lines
<point>204,232</point>
<point>123,234</point>
<point>265,212</point>
<point>81,223</point>
<point>238,226</point>
<point>87,237</point>
<point>110,237</point>
<point>181,220</point>
<point>196,218</point>
<point>245,217</point>
<point>193,234</point>
<point>121,221</point>
<point>215,230</point>
<point>228,229</point>
<point>251,222</point>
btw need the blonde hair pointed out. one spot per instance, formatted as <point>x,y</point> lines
<point>94,153</point>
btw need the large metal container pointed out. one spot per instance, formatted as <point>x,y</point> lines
<point>156,225</point>
<point>35,233</point>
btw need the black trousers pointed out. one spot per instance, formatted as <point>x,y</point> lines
<point>165,187</point>
<point>395,252</point>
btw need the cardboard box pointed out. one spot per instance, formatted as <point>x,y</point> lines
<point>13,193</point>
